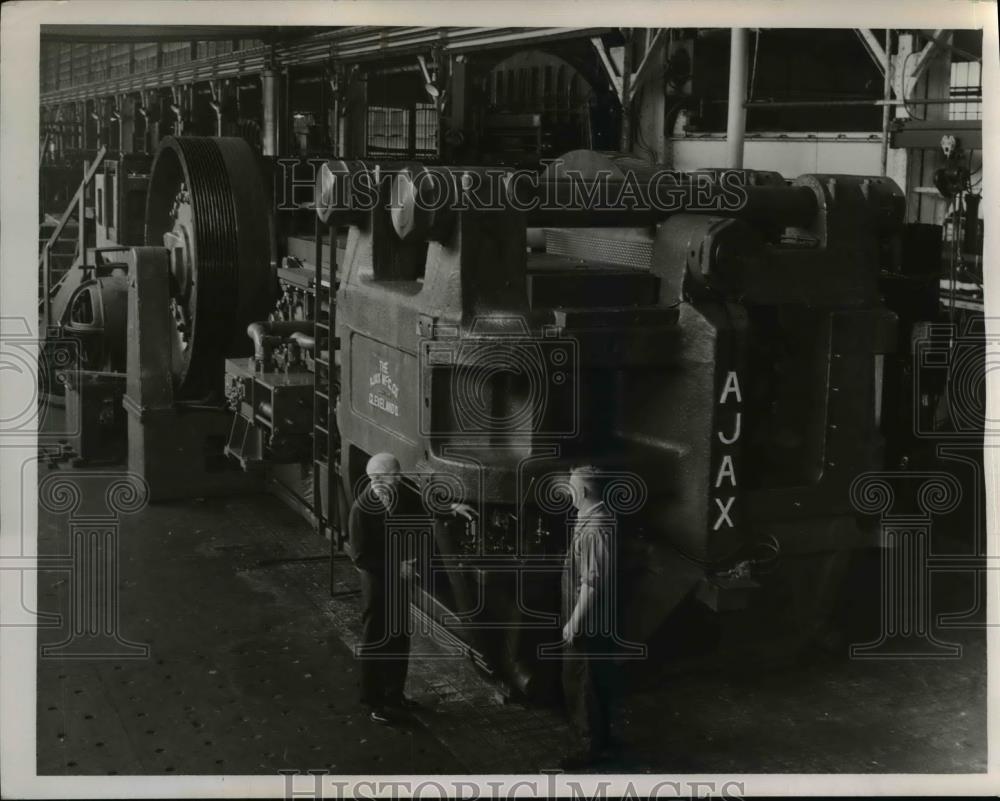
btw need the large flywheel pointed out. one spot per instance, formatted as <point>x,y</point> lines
<point>208,206</point>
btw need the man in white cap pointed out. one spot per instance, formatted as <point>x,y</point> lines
<point>385,642</point>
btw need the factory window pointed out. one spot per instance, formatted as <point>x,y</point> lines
<point>173,53</point>
<point>539,108</point>
<point>118,60</point>
<point>794,74</point>
<point>79,66</point>
<point>966,83</point>
<point>426,129</point>
<point>402,132</point>
<point>387,128</point>
<point>401,120</point>
<point>144,57</point>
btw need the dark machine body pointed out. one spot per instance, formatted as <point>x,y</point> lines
<point>724,367</point>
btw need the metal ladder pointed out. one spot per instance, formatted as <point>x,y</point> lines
<point>326,437</point>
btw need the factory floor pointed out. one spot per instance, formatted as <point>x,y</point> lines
<point>249,671</point>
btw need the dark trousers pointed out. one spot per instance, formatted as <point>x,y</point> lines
<point>590,689</point>
<point>385,641</point>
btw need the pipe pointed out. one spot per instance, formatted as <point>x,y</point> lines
<point>737,117</point>
<point>279,328</point>
<point>217,108</point>
<point>304,341</point>
<point>935,101</point>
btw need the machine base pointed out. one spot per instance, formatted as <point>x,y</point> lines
<point>179,453</point>
<point>95,417</point>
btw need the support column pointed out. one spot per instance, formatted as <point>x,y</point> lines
<point>626,96</point>
<point>332,113</point>
<point>84,118</point>
<point>457,115</point>
<point>153,105</point>
<point>652,111</point>
<point>356,123</point>
<point>736,118</point>
<point>269,112</point>
<point>886,96</point>
<point>126,124</point>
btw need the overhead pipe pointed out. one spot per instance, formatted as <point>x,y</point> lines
<point>934,101</point>
<point>737,117</point>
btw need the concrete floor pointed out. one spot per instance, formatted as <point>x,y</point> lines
<point>250,672</point>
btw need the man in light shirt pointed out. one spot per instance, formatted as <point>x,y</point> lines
<point>589,670</point>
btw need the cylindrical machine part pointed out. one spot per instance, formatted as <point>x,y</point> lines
<point>737,116</point>
<point>586,190</point>
<point>771,205</point>
<point>421,200</point>
<point>97,312</point>
<point>344,187</point>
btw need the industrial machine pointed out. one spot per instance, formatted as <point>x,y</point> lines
<point>87,290</point>
<point>720,358</point>
<point>725,364</point>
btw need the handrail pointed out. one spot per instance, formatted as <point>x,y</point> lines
<point>45,144</point>
<point>88,176</point>
<point>77,200</point>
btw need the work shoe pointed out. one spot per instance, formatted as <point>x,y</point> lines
<point>381,717</point>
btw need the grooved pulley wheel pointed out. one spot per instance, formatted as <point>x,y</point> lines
<point>207,204</point>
